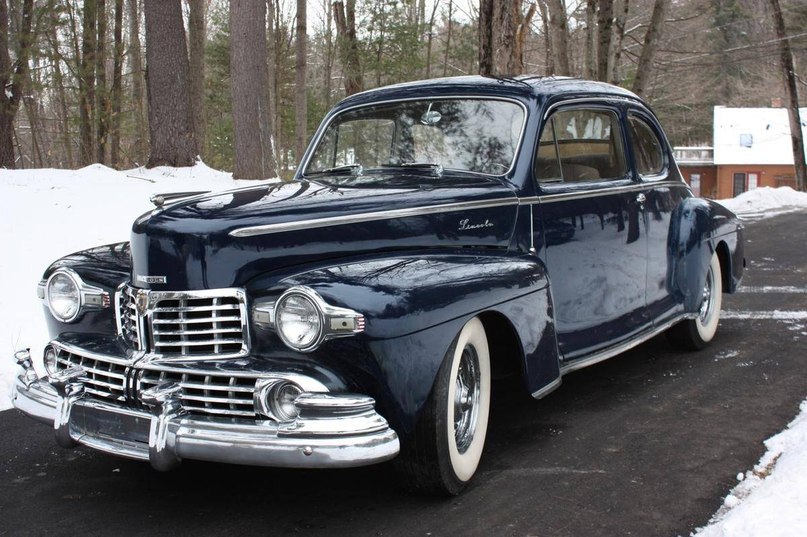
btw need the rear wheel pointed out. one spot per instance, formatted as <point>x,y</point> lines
<point>695,334</point>
<point>445,451</point>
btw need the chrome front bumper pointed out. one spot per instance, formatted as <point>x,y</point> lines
<point>331,431</point>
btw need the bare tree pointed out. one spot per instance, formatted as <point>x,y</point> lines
<point>117,85</point>
<point>140,146</point>
<point>591,38</point>
<point>559,32</point>
<point>300,96</point>
<point>651,42</point>
<point>102,103</point>
<point>344,15</point>
<point>791,92</point>
<point>605,21</point>
<point>12,77</point>
<point>170,127</point>
<point>254,158</point>
<point>502,30</point>
<point>86,80</point>
<point>197,33</point>
<point>616,43</point>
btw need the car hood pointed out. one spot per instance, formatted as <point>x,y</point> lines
<point>225,239</point>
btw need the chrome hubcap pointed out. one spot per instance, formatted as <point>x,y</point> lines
<point>707,305</point>
<point>466,399</point>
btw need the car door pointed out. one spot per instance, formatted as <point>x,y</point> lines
<point>664,191</point>
<point>594,242</point>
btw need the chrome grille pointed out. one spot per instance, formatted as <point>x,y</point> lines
<point>128,320</point>
<point>208,394</point>
<point>103,378</point>
<point>193,324</point>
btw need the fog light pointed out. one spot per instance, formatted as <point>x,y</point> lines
<point>281,401</point>
<point>49,359</point>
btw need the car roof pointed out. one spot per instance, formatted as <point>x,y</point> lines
<point>522,86</point>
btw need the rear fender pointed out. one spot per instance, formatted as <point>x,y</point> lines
<point>699,228</point>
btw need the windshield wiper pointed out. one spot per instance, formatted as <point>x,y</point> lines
<point>434,169</point>
<point>348,169</point>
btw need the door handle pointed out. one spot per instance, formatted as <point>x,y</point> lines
<point>640,198</point>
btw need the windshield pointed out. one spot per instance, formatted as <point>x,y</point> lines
<point>424,137</point>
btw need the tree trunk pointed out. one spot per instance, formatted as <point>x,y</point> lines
<point>550,54</point>
<point>273,84</point>
<point>248,71</point>
<point>616,43</point>
<point>651,40</point>
<point>117,86</point>
<point>140,149</point>
<point>448,36</point>
<point>101,94</point>
<point>559,30</point>
<point>486,37</point>
<point>172,140</point>
<point>12,77</point>
<point>300,97</point>
<point>197,33</point>
<point>430,39</point>
<point>605,19</point>
<point>591,39</point>
<point>791,92</point>
<point>140,146</point>
<point>86,83</point>
<point>64,116</point>
<point>329,53</point>
<point>344,14</point>
<point>522,30</point>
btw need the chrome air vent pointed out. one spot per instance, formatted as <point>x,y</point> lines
<point>104,377</point>
<point>193,324</point>
<point>208,394</point>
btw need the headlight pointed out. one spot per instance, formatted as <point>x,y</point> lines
<point>63,295</point>
<point>299,321</point>
<point>303,319</point>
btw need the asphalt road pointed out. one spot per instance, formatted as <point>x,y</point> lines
<point>646,444</point>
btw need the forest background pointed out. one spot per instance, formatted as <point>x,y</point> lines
<point>243,84</point>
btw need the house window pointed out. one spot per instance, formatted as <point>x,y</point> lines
<point>695,183</point>
<point>753,180</point>
<point>739,184</point>
<point>785,180</point>
<point>746,140</point>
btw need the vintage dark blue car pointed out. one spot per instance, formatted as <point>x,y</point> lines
<point>435,231</point>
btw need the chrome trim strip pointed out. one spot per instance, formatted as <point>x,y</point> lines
<point>80,351</point>
<point>309,152</point>
<point>611,99</point>
<point>593,193</point>
<point>622,347</point>
<point>549,388</point>
<point>370,217</point>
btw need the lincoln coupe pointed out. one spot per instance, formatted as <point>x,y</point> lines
<point>435,231</point>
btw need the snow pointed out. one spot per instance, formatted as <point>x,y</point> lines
<point>770,500</point>
<point>46,214</point>
<point>753,135</point>
<point>50,213</point>
<point>766,202</point>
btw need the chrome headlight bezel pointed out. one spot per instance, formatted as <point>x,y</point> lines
<point>334,322</point>
<point>89,297</point>
<point>75,280</point>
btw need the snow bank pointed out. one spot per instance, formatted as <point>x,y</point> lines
<point>766,202</point>
<point>45,214</point>
<point>771,499</point>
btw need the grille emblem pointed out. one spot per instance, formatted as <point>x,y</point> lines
<point>142,302</point>
<point>151,279</point>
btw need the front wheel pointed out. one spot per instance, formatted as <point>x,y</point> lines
<point>695,334</point>
<point>446,448</point>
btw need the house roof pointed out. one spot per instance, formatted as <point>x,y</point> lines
<point>753,135</point>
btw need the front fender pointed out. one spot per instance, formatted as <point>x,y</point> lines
<point>697,227</point>
<point>414,307</point>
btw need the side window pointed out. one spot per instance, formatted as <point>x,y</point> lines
<point>647,148</point>
<point>581,144</point>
